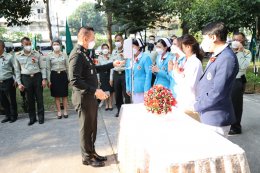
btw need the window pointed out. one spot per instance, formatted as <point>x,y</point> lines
<point>40,10</point>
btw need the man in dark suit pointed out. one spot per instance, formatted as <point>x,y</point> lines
<point>214,88</point>
<point>83,78</point>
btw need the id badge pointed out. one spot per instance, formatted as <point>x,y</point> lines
<point>91,71</point>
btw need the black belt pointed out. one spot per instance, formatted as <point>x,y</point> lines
<point>59,72</point>
<point>119,72</point>
<point>3,81</point>
<point>31,75</point>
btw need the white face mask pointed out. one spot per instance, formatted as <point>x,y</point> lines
<point>91,45</point>
<point>159,51</point>
<point>105,51</point>
<point>135,51</point>
<point>151,41</point>
<point>118,44</point>
<point>56,48</point>
<point>206,44</point>
<point>28,48</point>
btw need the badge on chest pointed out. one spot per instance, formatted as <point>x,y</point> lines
<point>209,76</point>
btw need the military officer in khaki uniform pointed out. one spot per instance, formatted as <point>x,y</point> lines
<point>119,75</point>
<point>31,78</point>
<point>57,69</point>
<point>85,92</point>
<point>7,85</point>
<point>244,57</point>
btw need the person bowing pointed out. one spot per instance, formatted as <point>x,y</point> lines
<point>141,75</point>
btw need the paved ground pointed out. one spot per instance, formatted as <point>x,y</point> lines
<point>54,146</point>
<point>249,140</point>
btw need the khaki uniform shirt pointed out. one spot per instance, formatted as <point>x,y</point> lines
<point>116,56</point>
<point>244,59</point>
<point>7,66</point>
<point>57,62</point>
<point>30,64</point>
<point>153,55</point>
<point>103,61</point>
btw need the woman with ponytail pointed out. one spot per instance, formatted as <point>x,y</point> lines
<point>188,77</point>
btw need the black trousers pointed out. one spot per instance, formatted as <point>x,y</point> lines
<point>87,107</point>
<point>153,79</point>
<point>120,89</point>
<point>34,92</point>
<point>237,100</point>
<point>8,98</point>
<point>24,102</point>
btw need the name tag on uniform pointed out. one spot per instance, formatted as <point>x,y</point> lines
<point>91,71</point>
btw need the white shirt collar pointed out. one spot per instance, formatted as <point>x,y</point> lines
<point>219,50</point>
<point>140,55</point>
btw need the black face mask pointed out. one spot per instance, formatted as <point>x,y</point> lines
<point>150,46</point>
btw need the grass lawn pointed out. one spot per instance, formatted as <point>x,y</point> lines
<point>49,103</point>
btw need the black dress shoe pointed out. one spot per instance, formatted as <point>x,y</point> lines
<point>234,131</point>
<point>65,116</point>
<point>12,120</point>
<point>31,122</point>
<point>106,109</point>
<point>41,121</point>
<point>117,114</point>
<point>99,158</point>
<point>110,109</point>
<point>5,120</point>
<point>93,162</point>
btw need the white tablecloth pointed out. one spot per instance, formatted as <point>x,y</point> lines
<point>173,143</point>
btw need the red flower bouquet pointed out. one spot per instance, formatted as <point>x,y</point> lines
<point>159,100</point>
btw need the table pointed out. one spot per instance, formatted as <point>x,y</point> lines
<point>173,143</point>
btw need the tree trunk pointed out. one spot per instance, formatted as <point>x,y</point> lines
<point>258,28</point>
<point>185,28</point>
<point>141,36</point>
<point>145,37</point>
<point>109,30</point>
<point>48,18</point>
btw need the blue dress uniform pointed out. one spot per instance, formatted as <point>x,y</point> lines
<point>163,77</point>
<point>142,74</point>
<point>214,90</point>
<point>84,81</point>
<point>7,87</point>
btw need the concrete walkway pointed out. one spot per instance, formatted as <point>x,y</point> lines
<point>54,146</point>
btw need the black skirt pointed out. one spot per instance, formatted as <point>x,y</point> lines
<point>104,80</point>
<point>59,84</point>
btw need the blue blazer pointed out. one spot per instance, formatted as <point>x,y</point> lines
<point>142,74</point>
<point>163,77</point>
<point>214,90</point>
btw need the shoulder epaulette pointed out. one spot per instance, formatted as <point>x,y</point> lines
<point>18,53</point>
<point>247,51</point>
